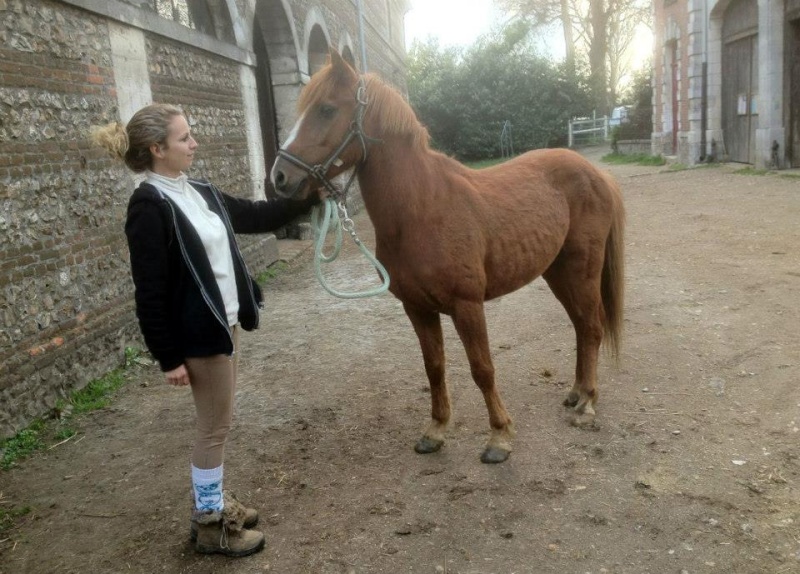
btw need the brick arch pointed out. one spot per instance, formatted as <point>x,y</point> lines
<point>276,21</point>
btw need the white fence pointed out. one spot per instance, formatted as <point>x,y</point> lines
<point>588,131</point>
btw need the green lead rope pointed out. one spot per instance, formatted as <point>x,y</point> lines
<point>322,218</point>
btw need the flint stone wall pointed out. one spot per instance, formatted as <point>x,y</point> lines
<point>66,297</point>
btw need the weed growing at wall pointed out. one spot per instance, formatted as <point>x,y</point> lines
<point>96,395</point>
<point>271,272</point>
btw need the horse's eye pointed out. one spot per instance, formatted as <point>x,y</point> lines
<point>327,111</point>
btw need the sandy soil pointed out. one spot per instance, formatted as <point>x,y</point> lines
<point>694,468</point>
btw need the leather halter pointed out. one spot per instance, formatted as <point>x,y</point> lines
<point>320,170</point>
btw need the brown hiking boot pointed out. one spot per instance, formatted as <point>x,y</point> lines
<point>230,501</point>
<point>224,533</point>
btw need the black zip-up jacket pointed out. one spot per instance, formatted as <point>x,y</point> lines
<point>178,301</point>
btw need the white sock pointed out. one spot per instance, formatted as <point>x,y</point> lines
<point>207,487</point>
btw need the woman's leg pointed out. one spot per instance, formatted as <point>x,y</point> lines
<point>213,382</point>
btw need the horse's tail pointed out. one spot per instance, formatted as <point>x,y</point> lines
<point>612,286</point>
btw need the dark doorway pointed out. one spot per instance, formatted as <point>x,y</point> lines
<point>793,65</point>
<point>266,102</point>
<point>317,50</point>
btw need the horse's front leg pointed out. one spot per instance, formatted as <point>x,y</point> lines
<point>470,323</point>
<point>428,326</point>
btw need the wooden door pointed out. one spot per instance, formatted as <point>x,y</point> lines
<point>739,93</point>
<point>793,55</point>
<point>740,80</point>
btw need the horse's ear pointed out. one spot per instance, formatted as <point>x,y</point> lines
<point>335,58</point>
<point>339,64</point>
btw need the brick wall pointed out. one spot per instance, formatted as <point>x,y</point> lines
<point>66,308</point>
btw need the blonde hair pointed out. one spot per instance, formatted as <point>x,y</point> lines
<point>131,143</point>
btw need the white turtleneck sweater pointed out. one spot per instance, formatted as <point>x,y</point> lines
<point>212,233</point>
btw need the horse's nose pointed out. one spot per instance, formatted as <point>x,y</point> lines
<point>280,180</point>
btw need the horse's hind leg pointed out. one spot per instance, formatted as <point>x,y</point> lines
<point>575,281</point>
<point>470,323</point>
<point>428,326</point>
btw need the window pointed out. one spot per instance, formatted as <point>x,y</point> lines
<point>207,16</point>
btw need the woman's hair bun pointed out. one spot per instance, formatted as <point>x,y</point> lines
<point>112,137</point>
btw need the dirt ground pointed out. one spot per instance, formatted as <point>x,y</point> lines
<point>695,466</point>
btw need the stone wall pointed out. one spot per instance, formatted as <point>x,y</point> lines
<point>66,308</point>
<point>65,305</point>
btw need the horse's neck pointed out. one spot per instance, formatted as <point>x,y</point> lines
<point>387,183</point>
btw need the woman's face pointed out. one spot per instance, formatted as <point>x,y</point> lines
<point>177,154</point>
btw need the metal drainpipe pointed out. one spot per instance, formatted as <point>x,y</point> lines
<point>361,36</point>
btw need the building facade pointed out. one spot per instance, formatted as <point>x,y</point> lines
<point>727,81</point>
<point>235,66</point>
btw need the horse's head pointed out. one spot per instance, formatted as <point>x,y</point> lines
<point>328,138</point>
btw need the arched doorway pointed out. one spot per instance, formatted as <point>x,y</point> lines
<point>317,50</point>
<point>740,80</point>
<point>266,102</point>
<point>276,54</point>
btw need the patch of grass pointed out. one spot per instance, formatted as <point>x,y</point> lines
<point>9,517</point>
<point>22,444</point>
<point>635,158</point>
<point>486,162</point>
<point>678,166</point>
<point>94,396</point>
<point>751,171</point>
<point>271,272</point>
<point>790,176</point>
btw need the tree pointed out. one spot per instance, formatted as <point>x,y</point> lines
<point>432,76</point>
<point>465,96</point>
<point>601,29</point>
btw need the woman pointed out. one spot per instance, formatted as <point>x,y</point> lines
<point>193,293</point>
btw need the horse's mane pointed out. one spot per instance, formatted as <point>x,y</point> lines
<point>393,113</point>
<point>386,108</point>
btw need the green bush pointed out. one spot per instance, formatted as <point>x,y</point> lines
<point>465,96</point>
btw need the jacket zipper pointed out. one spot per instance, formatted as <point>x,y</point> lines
<point>196,275</point>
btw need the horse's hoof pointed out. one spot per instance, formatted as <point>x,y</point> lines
<point>494,455</point>
<point>572,399</point>
<point>427,445</point>
<point>584,421</point>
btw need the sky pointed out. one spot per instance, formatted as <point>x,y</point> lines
<point>460,22</point>
<point>452,22</point>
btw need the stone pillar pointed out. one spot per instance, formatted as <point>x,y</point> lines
<point>131,77</point>
<point>255,145</point>
<point>696,54</point>
<point>770,83</point>
<point>714,133</point>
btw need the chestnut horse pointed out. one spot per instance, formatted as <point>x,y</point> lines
<point>452,237</point>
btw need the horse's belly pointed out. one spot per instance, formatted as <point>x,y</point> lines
<point>513,264</point>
